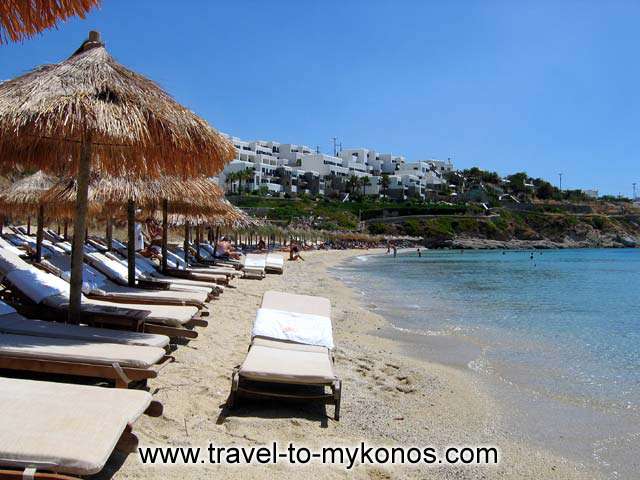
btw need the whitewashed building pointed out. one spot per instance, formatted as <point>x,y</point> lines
<point>285,168</point>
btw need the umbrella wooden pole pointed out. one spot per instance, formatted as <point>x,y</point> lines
<point>186,242</point>
<point>215,243</point>
<point>197,242</point>
<point>66,231</point>
<point>165,228</point>
<point>29,225</point>
<point>2,220</point>
<point>39,233</point>
<point>109,233</point>
<point>79,225</point>
<point>131,243</point>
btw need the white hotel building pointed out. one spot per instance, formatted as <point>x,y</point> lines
<point>288,168</point>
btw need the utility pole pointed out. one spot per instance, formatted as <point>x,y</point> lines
<point>634,190</point>
<point>317,148</point>
<point>335,146</point>
<point>560,175</point>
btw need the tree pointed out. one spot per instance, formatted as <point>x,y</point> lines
<point>365,182</point>
<point>517,182</point>
<point>384,183</point>
<point>232,177</point>
<point>246,175</point>
<point>544,190</point>
<point>352,184</point>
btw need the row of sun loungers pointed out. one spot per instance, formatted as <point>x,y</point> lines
<point>71,429</point>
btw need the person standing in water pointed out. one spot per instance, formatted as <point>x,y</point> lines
<point>419,253</point>
<point>395,251</point>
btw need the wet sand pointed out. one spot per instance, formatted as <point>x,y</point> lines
<point>390,397</point>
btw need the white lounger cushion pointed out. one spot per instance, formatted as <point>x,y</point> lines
<point>17,324</point>
<point>282,362</point>
<point>252,260</point>
<point>63,349</point>
<point>11,248</point>
<point>275,261</point>
<point>297,303</point>
<point>295,327</point>
<point>38,285</point>
<point>65,428</point>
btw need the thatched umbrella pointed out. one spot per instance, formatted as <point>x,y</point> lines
<point>91,112</point>
<point>25,197</point>
<point>20,19</point>
<point>225,215</point>
<point>115,197</point>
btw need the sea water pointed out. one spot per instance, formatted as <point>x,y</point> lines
<point>555,333</point>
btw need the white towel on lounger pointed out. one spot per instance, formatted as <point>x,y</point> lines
<point>295,327</point>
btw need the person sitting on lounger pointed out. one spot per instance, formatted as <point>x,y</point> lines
<point>154,232</point>
<point>226,250</point>
<point>294,252</point>
<point>262,246</point>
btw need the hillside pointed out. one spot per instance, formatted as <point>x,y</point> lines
<point>440,225</point>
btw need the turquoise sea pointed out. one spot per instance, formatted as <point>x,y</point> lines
<point>555,333</point>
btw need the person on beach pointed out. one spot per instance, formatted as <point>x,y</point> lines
<point>138,237</point>
<point>419,253</point>
<point>395,251</point>
<point>154,232</point>
<point>226,249</point>
<point>294,253</point>
<point>262,246</point>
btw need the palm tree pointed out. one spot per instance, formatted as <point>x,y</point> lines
<point>246,175</point>
<point>365,182</point>
<point>384,182</point>
<point>352,183</point>
<point>231,179</point>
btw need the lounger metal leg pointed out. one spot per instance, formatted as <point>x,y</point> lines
<point>337,393</point>
<point>235,379</point>
<point>128,442</point>
<point>155,409</point>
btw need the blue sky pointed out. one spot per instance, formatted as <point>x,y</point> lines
<point>540,86</point>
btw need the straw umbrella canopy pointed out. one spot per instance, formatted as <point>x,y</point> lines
<point>112,197</point>
<point>225,216</point>
<point>25,18</point>
<point>25,196</point>
<point>91,112</point>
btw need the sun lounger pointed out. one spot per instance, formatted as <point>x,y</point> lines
<point>254,265</point>
<point>290,356</point>
<point>274,263</point>
<point>65,429</point>
<point>42,289</point>
<point>116,269</point>
<point>97,285</point>
<point>115,361</point>
<point>14,323</point>
<point>78,351</point>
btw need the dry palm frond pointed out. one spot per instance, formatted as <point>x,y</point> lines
<point>225,216</point>
<point>109,196</point>
<point>133,126</point>
<point>25,195</point>
<point>20,19</point>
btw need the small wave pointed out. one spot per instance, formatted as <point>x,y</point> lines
<point>362,258</point>
<point>424,333</point>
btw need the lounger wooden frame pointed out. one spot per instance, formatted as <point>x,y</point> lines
<point>123,376</point>
<point>133,320</point>
<point>242,388</point>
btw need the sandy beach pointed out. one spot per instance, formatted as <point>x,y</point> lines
<point>389,397</point>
